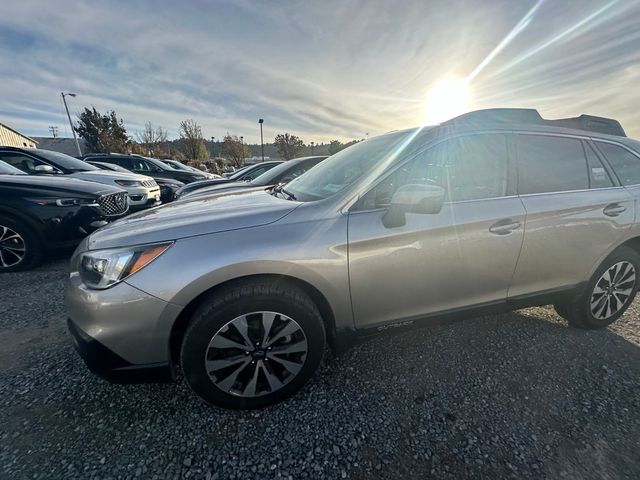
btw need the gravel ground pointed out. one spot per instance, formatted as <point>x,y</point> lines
<point>501,396</point>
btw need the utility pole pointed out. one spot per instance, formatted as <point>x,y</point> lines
<point>261,121</point>
<point>54,131</point>
<point>69,117</point>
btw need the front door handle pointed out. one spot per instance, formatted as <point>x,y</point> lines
<point>504,227</point>
<point>614,210</point>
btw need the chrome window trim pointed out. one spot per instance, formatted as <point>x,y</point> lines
<point>563,192</point>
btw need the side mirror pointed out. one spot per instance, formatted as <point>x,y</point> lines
<point>43,169</point>
<point>414,198</point>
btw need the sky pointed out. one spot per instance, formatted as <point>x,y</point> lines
<point>330,69</point>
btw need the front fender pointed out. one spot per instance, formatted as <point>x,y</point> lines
<point>314,252</point>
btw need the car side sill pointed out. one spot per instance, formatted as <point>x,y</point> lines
<point>438,318</point>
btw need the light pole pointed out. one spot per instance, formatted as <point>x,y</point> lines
<point>242,148</point>
<point>64,100</point>
<point>213,146</point>
<point>261,121</point>
<point>312,144</point>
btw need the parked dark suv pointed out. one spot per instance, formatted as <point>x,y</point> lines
<point>151,167</point>
<point>41,214</point>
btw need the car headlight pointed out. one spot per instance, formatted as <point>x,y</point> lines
<point>128,183</point>
<point>66,202</point>
<point>102,269</point>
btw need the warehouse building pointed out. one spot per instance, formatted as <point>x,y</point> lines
<point>12,138</point>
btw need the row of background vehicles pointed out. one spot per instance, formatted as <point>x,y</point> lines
<point>49,201</point>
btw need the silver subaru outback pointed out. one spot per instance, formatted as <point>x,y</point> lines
<point>491,211</point>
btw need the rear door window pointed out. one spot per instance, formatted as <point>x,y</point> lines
<point>550,164</point>
<point>624,163</point>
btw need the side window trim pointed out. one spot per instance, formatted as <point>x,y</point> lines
<point>510,190</point>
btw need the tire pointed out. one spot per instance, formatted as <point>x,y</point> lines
<point>18,240</point>
<point>236,376</point>
<point>589,309</point>
<point>562,310</point>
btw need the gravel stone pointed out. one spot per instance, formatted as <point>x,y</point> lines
<point>515,395</point>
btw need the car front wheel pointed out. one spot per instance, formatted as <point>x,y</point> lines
<point>252,345</point>
<point>20,248</point>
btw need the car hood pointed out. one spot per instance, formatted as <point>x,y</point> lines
<point>108,177</point>
<point>57,185</point>
<point>223,188</point>
<point>188,218</point>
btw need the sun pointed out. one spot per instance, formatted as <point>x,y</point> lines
<point>447,98</point>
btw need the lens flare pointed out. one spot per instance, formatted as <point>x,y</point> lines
<point>447,98</point>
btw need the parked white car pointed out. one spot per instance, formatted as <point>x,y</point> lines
<point>143,191</point>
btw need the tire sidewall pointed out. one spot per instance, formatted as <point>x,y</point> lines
<point>207,321</point>
<point>32,245</point>
<point>621,255</point>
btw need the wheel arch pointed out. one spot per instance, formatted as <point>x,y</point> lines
<point>182,321</point>
<point>30,222</point>
<point>633,243</point>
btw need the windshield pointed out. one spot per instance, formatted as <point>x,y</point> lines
<point>270,176</point>
<point>160,164</point>
<point>364,159</point>
<point>6,169</point>
<point>177,165</point>
<point>65,162</point>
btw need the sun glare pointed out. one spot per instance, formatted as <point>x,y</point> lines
<point>447,98</point>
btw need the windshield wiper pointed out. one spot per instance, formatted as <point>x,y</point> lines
<point>280,189</point>
<point>289,194</point>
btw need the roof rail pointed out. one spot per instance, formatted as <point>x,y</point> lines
<point>589,123</point>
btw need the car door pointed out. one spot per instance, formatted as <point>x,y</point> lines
<point>575,212</point>
<point>461,257</point>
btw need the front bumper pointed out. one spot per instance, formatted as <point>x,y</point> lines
<point>141,197</point>
<point>121,333</point>
<point>112,367</point>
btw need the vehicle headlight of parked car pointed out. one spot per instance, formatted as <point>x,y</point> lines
<point>128,183</point>
<point>66,202</point>
<point>102,269</point>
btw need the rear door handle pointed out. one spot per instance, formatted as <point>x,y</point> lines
<point>504,227</point>
<point>614,210</point>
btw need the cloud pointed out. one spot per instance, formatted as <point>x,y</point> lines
<point>322,70</point>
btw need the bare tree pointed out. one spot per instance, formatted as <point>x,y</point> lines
<point>234,150</point>
<point>192,140</point>
<point>152,139</point>
<point>289,146</point>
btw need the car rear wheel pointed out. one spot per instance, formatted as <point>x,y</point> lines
<point>20,248</point>
<point>608,294</point>
<point>252,345</point>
